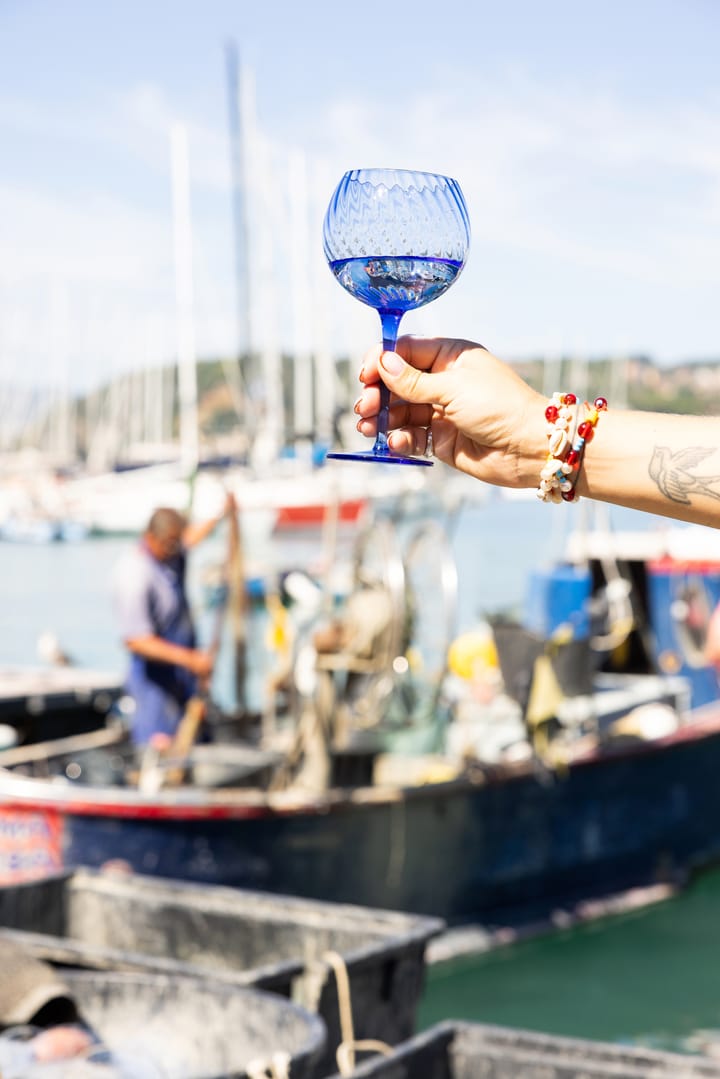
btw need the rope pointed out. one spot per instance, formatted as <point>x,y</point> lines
<point>278,1067</point>
<point>621,619</point>
<point>345,1053</point>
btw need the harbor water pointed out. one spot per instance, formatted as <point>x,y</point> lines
<point>651,976</point>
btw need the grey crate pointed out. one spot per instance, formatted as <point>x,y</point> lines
<point>458,1050</point>
<point>127,922</point>
<point>192,1029</point>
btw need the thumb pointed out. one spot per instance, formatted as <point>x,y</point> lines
<point>406,381</point>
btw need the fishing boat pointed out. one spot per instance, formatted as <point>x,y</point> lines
<point>54,700</point>
<point>604,779</point>
<point>654,591</point>
<point>430,834</point>
<point>361,971</point>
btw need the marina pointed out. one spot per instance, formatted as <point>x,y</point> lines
<point>438,617</point>
<point>348,728</point>
<point>501,563</point>
<point>500,938</point>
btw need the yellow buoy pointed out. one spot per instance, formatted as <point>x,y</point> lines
<point>472,653</point>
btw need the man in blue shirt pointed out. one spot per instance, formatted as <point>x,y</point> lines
<point>167,667</point>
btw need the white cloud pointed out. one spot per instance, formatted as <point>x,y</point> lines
<point>102,239</point>
<point>594,217</point>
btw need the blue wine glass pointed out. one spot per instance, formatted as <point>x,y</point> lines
<point>395,239</point>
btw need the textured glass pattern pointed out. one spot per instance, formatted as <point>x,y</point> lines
<point>395,212</point>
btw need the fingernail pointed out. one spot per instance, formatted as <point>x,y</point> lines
<point>356,406</point>
<point>391,362</point>
<point>361,376</point>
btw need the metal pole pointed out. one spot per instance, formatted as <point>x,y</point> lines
<point>187,360</point>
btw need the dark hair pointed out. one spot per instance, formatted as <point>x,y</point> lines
<point>165,521</point>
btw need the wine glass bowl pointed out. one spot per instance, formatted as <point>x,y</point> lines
<point>395,239</point>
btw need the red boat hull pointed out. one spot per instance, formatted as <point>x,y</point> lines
<point>308,516</point>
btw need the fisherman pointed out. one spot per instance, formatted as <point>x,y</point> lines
<point>167,668</point>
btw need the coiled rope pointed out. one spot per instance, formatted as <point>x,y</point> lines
<point>345,1053</point>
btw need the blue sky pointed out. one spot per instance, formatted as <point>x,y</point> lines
<point>586,137</point>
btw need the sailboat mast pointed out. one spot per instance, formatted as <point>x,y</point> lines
<point>303,386</point>
<point>240,225</point>
<point>187,360</point>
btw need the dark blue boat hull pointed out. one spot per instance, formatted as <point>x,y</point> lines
<point>505,848</point>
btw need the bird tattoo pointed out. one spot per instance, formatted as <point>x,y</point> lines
<point>673,474</point>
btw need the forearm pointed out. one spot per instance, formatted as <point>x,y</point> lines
<point>659,463</point>
<point>158,650</point>
<point>487,421</point>
<point>196,533</point>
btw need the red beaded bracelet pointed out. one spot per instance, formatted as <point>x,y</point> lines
<point>559,474</point>
<point>584,434</point>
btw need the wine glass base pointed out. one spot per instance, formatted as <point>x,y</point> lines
<point>379,458</point>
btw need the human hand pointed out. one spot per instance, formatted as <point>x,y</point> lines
<point>230,508</point>
<point>485,420</point>
<point>201,663</point>
<point>161,741</point>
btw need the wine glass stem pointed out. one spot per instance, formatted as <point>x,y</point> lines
<point>390,323</point>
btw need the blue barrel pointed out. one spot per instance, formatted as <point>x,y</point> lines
<point>559,596</point>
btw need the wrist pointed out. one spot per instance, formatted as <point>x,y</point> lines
<point>532,449</point>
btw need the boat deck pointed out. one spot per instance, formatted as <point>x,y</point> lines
<point>54,701</point>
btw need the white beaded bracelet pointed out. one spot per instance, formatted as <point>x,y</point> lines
<point>560,415</point>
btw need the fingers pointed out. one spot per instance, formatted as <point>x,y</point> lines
<point>431,383</point>
<point>405,381</point>
<point>412,441</point>
<point>433,389</point>
<point>420,352</point>
<point>369,372</point>
<point>402,413</point>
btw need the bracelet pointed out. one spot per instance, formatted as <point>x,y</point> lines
<point>584,434</point>
<point>559,474</point>
<point>554,473</point>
